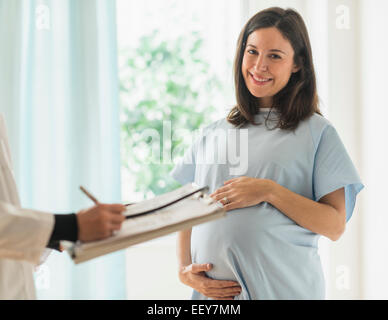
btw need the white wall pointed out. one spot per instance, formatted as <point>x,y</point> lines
<point>373,88</point>
<point>345,272</point>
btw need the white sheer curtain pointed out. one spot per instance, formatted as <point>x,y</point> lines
<point>59,95</point>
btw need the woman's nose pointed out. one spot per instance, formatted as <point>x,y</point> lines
<point>261,64</point>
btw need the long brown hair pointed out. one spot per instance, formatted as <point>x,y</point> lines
<point>298,100</point>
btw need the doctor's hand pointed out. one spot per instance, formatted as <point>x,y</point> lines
<point>194,276</point>
<point>243,192</point>
<point>100,221</point>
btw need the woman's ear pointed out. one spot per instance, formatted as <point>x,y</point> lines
<point>295,68</point>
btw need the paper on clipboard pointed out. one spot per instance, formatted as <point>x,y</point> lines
<point>177,210</point>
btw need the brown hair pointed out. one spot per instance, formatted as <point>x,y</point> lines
<point>298,100</point>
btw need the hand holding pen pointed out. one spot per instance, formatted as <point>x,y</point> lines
<point>99,221</point>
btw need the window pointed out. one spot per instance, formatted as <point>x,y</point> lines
<point>175,66</point>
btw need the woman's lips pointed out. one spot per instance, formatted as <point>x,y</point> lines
<point>256,80</point>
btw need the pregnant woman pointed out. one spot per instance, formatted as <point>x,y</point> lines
<point>299,182</point>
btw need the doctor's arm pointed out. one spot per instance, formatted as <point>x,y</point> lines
<point>326,217</point>
<point>91,224</point>
<point>25,233</point>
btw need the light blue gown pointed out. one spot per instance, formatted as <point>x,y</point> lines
<point>269,255</point>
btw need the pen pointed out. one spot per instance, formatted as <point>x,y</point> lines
<point>89,195</point>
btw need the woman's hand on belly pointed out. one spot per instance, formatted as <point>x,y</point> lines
<point>194,276</point>
<point>243,192</point>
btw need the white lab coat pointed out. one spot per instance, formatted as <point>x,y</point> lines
<point>23,233</point>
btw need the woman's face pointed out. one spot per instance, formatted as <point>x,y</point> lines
<point>267,64</point>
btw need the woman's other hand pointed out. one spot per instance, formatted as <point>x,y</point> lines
<point>194,276</point>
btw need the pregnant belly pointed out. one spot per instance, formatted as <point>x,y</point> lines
<point>245,240</point>
<point>239,236</point>
<point>268,254</point>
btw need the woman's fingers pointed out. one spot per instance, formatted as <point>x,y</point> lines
<point>234,205</point>
<point>220,197</point>
<point>221,288</point>
<point>222,298</point>
<point>232,180</point>
<point>197,268</point>
<point>220,191</point>
<point>229,202</point>
<point>222,293</point>
<point>225,292</point>
<point>194,276</point>
<point>211,283</point>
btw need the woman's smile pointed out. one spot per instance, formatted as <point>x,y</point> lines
<point>259,81</point>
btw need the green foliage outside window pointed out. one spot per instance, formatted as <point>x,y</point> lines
<point>163,82</point>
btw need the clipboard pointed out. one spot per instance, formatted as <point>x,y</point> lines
<point>162,201</point>
<point>177,210</point>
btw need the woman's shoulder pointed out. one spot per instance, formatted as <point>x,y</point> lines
<point>207,130</point>
<point>218,124</point>
<point>318,121</point>
<point>317,125</point>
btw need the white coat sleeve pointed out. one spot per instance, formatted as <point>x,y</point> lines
<point>24,233</point>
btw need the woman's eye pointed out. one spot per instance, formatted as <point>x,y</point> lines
<point>251,51</point>
<point>275,56</point>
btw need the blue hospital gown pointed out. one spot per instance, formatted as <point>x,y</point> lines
<point>266,252</point>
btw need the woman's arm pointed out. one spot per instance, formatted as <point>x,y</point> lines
<point>183,248</point>
<point>326,217</point>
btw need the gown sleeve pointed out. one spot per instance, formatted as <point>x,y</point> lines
<point>333,169</point>
<point>184,170</point>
